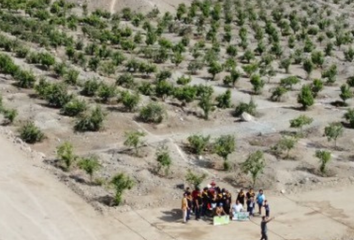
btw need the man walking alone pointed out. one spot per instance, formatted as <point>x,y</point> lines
<point>264,223</point>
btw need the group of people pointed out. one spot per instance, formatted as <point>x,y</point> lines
<point>213,201</point>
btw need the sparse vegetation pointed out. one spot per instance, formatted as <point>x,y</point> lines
<point>194,179</point>
<point>90,165</point>
<point>224,146</point>
<point>65,154</point>
<point>152,113</point>
<point>133,139</point>
<point>324,157</point>
<point>198,143</point>
<point>254,165</point>
<point>120,183</point>
<point>164,160</point>
<point>333,131</point>
<point>30,133</point>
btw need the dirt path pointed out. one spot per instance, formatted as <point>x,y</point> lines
<point>112,7</point>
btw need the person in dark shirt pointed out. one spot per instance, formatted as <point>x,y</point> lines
<point>198,206</point>
<point>226,206</point>
<point>206,199</point>
<point>264,229</point>
<point>267,208</point>
<point>241,197</point>
<point>250,195</point>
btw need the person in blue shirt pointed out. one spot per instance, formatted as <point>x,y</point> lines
<point>260,200</point>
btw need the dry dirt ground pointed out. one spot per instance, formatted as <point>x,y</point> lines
<point>34,205</point>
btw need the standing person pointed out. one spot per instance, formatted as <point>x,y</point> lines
<point>184,208</point>
<point>241,197</point>
<point>228,196</point>
<point>260,200</point>
<point>227,206</point>
<point>195,194</point>
<point>249,195</point>
<point>205,197</point>
<point>190,205</point>
<point>198,206</point>
<point>250,206</point>
<point>264,223</point>
<point>266,207</point>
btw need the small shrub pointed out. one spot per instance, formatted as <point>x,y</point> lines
<point>105,92</point>
<point>121,182</point>
<point>74,107</point>
<point>198,143</point>
<point>90,165</point>
<point>130,100</point>
<point>57,95</point>
<point>324,157</point>
<point>163,159</point>
<point>90,87</point>
<point>30,133</point>
<point>91,122</point>
<point>152,113</point>
<point>71,77</point>
<point>349,116</point>
<point>249,108</point>
<point>194,179</point>
<point>66,155</point>
<point>25,79</point>
<point>10,115</point>
<point>133,139</point>
<point>254,165</point>
<point>183,80</point>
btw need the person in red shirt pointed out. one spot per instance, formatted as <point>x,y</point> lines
<point>195,194</point>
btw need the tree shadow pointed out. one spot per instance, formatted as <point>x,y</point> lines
<point>346,125</point>
<point>295,108</point>
<point>117,109</point>
<point>252,93</point>
<point>171,216</point>
<point>315,171</point>
<point>338,103</point>
<point>106,200</point>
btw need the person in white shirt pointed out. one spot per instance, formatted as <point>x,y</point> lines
<point>236,208</point>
